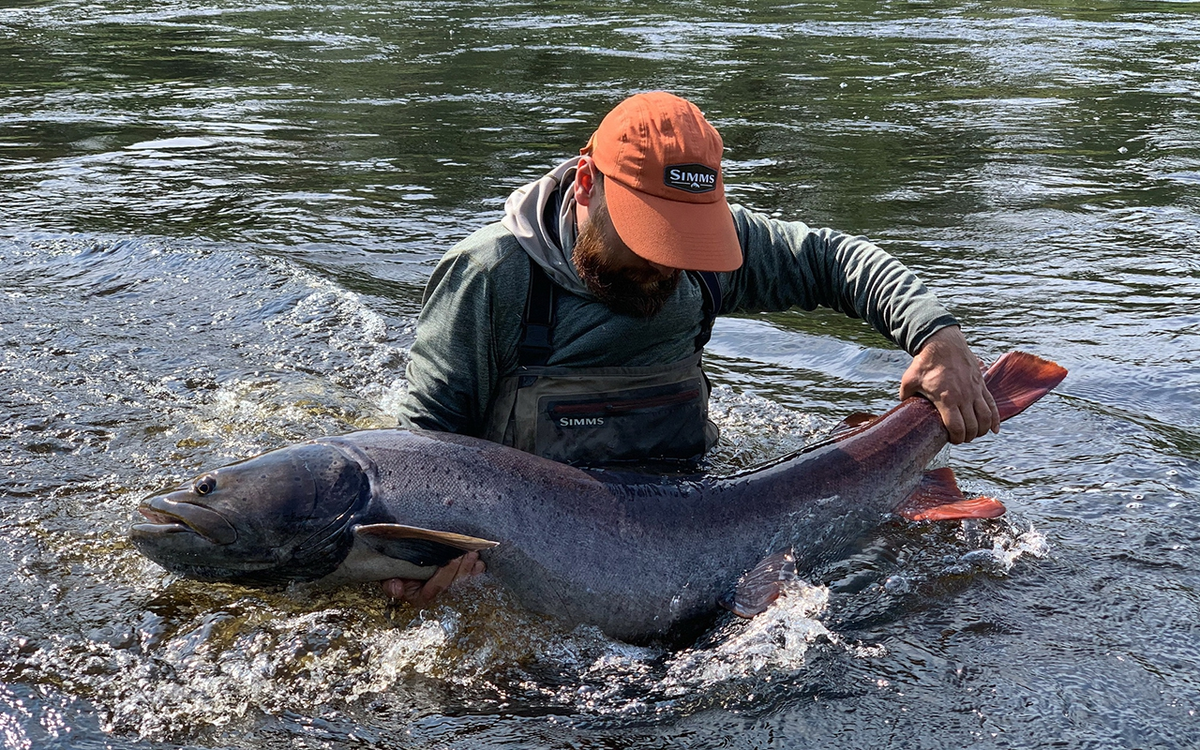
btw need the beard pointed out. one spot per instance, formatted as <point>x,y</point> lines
<point>626,291</point>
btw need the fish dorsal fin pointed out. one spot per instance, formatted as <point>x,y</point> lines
<point>418,546</point>
<point>757,589</point>
<point>938,498</point>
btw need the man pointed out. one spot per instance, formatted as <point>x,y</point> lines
<point>574,328</point>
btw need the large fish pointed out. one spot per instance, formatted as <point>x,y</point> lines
<point>635,555</point>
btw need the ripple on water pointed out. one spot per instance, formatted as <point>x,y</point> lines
<point>1037,163</point>
<point>177,660</point>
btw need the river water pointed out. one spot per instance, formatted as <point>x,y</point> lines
<point>217,221</point>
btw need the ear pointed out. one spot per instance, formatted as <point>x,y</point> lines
<point>585,181</point>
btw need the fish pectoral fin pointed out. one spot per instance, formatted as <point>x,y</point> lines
<point>757,589</point>
<point>421,547</point>
<point>938,498</point>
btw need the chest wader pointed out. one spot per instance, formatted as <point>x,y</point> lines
<point>594,416</point>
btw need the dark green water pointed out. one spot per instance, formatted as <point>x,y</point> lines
<point>217,221</point>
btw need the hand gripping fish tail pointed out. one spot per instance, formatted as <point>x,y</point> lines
<point>1016,380</point>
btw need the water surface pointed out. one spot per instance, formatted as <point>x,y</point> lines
<point>217,221</point>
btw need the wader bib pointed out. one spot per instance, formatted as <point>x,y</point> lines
<point>602,415</point>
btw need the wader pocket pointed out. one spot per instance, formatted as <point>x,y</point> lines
<point>663,421</point>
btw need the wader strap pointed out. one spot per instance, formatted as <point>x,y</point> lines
<point>711,287</point>
<point>534,349</point>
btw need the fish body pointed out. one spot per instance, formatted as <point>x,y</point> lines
<point>636,555</point>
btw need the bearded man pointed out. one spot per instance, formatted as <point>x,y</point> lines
<point>574,327</point>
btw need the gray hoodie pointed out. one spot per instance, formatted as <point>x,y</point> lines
<point>525,214</point>
<point>470,323</point>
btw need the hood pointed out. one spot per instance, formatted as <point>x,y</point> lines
<point>525,215</point>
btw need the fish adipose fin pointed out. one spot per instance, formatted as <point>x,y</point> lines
<point>852,423</point>
<point>1018,379</point>
<point>421,547</point>
<point>938,498</point>
<point>757,589</point>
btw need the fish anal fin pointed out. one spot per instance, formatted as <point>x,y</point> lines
<point>416,545</point>
<point>938,498</point>
<point>1018,379</point>
<point>757,589</point>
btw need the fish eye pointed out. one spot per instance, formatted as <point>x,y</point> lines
<point>205,485</point>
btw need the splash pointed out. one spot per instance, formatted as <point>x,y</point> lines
<point>1009,544</point>
<point>199,662</point>
<point>754,428</point>
<point>206,662</point>
<point>773,643</point>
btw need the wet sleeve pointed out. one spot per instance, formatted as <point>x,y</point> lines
<point>452,364</point>
<point>787,265</point>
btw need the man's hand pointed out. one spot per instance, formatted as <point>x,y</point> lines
<point>422,593</point>
<point>948,374</point>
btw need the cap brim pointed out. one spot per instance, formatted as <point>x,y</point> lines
<point>688,236</point>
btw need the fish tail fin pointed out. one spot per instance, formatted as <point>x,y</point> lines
<point>1018,379</point>
<point>938,498</point>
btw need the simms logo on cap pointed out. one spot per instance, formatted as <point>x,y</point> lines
<point>694,178</point>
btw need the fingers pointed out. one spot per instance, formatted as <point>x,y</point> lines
<point>971,420</point>
<point>952,418</point>
<point>981,415</point>
<point>422,593</point>
<point>401,588</point>
<point>479,568</point>
<point>460,567</point>
<point>946,372</point>
<point>989,416</point>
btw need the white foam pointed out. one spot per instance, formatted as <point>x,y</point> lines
<point>754,428</point>
<point>1008,546</point>
<point>775,641</point>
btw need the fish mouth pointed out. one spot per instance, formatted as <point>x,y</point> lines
<point>160,523</point>
<point>169,516</point>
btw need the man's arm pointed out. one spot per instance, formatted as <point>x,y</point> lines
<point>452,367</point>
<point>787,264</point>
<point>452,370</point>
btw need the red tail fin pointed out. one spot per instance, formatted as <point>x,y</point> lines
<point>1018,379</point>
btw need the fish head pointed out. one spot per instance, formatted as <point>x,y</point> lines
<point>277,517</point>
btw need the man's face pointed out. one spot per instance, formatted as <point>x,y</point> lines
<point>624,281</point>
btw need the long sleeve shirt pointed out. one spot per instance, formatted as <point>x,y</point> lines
<point>470,324</point>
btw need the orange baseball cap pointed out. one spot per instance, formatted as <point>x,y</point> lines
<point>664,188</point>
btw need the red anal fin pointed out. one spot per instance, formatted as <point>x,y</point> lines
<point>1018,379</point>
<point>938,498</point>
<point>757,589</point>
